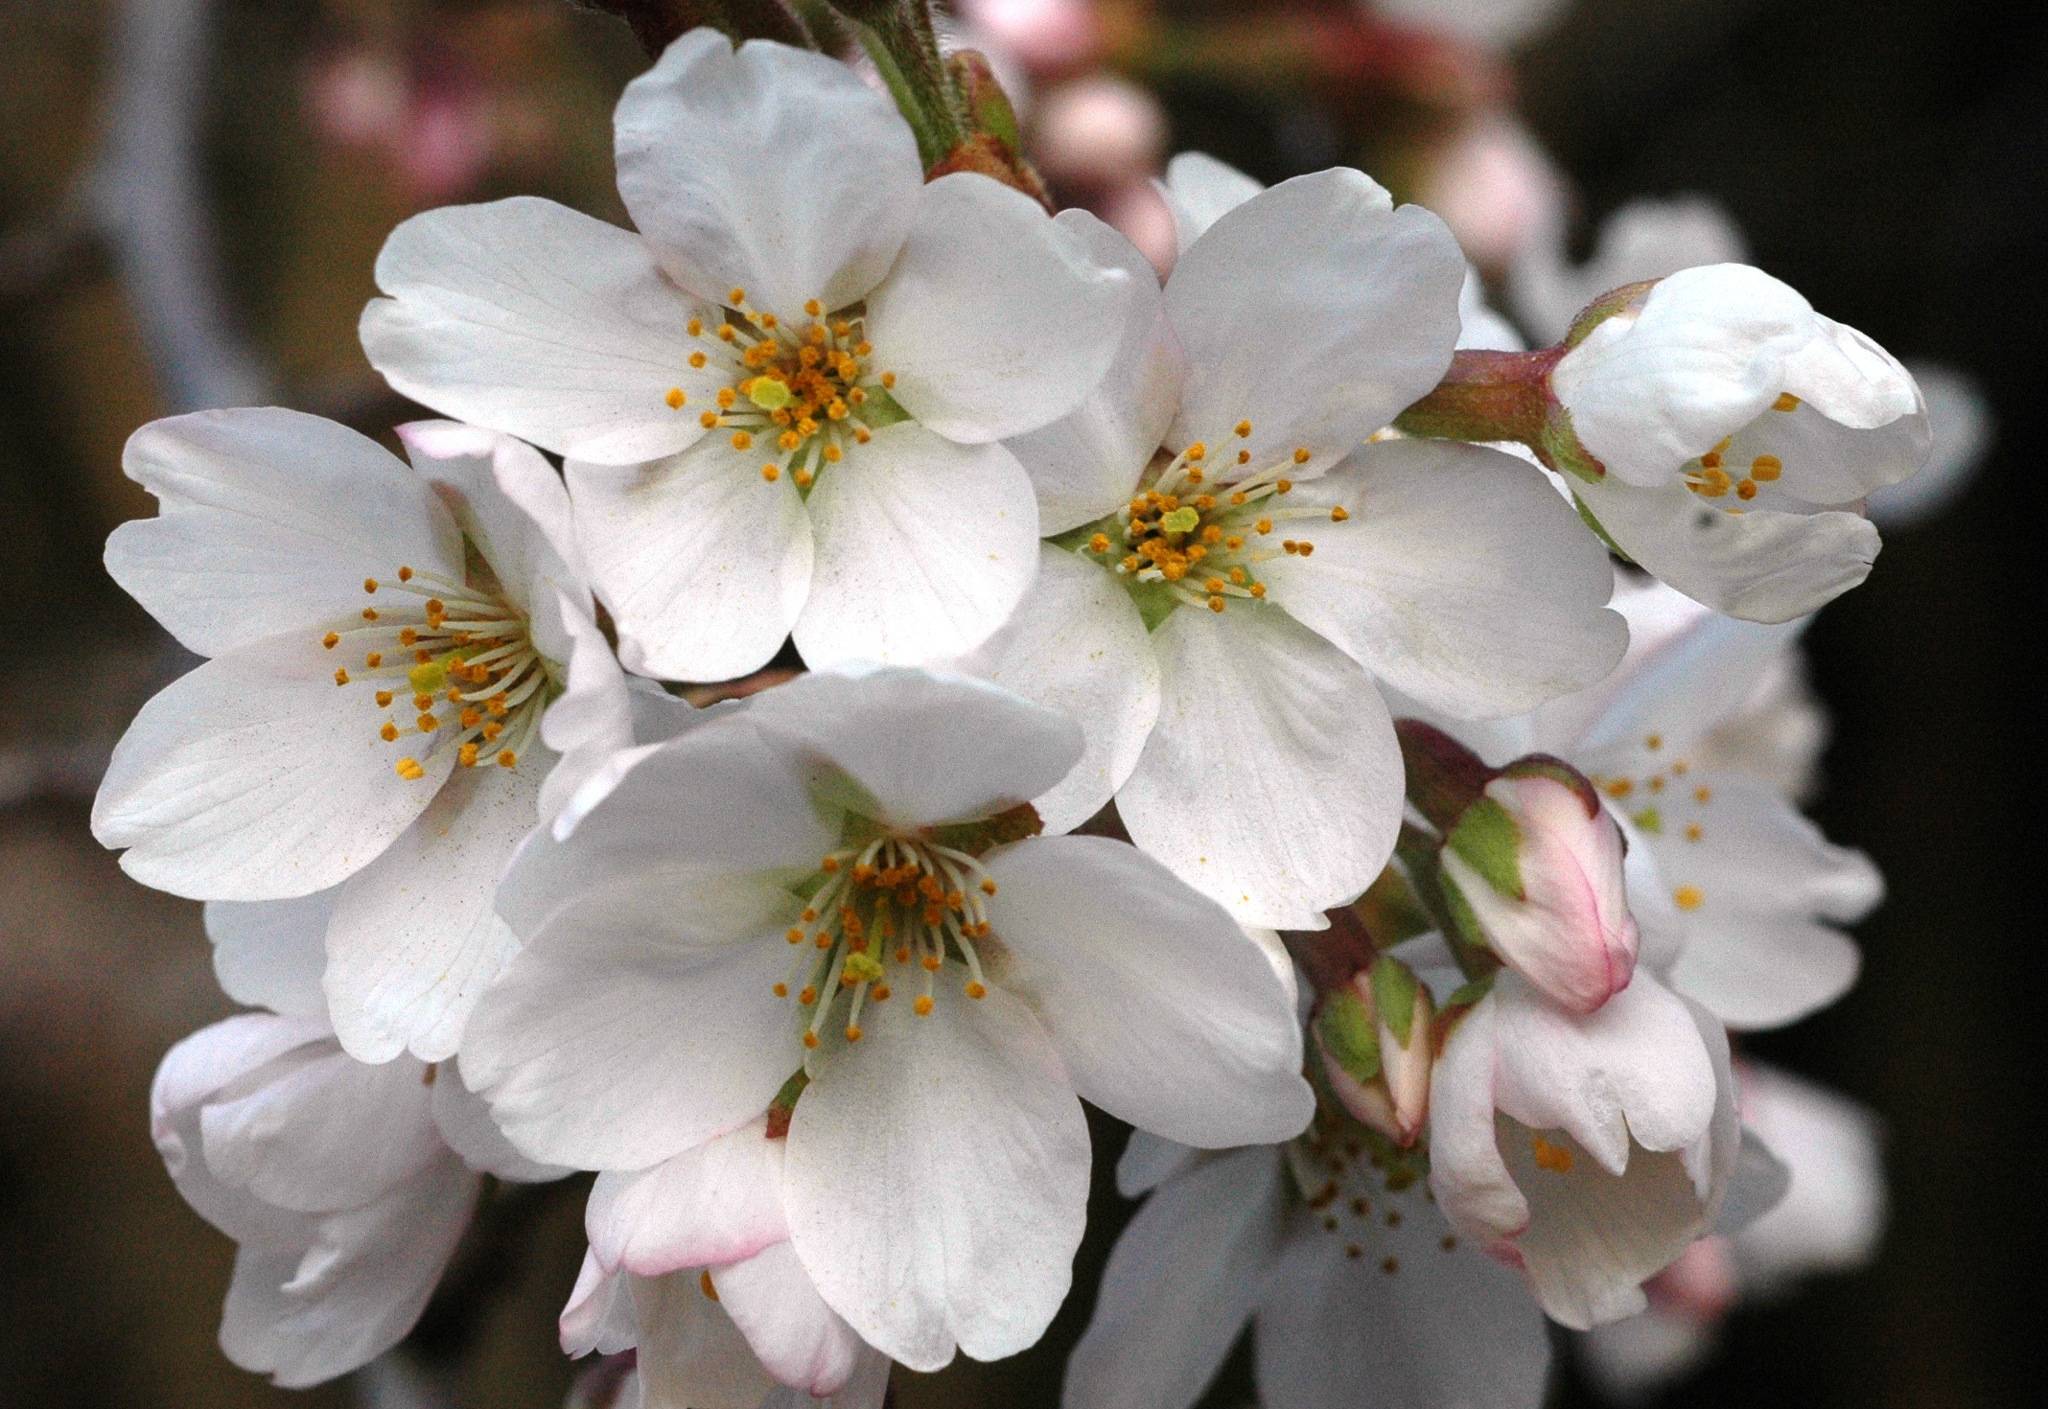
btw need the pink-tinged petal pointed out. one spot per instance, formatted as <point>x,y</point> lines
<point>415,938</point>
<point>769,169</point>
<point>996,319</point>
<point>528,318</point>
<point>924,548</point>
<point>717,1203</point>
<point>969,1108</point>
<point>798,1338</point>
<point>1272,782</point>
<point>256,778</point>
<point>703,563</point>
<point>269,520</point>
<point>1165,1013</point>
<point>1181,1283</point>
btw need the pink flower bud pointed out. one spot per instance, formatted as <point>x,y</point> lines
<point>1536,863</point>
<point>1375,1035</point>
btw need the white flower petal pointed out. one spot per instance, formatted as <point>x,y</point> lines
<point>1077,645</point>
<point>1460,577</point>
<point>924,548</point>
<point>1754,973</point>
<point>271,953</point>
<point>1832,1215</point>
<point>617,1038</point>
<point>702,814</point>
<point>191,1073</point>
<point>1200,190</point>
<point>269,520</point>
<point>716,1203</point>
<point>1317,274</point>
<point>1181,1282</point>
<point>348,1291</point>
<point>1164,1012</point>
<point>510,503</point>
<point>1765,565</point>
<point>256,778</point>
<point>1635,1071</point>
<point>968,1114</point>
<point>1406,1321</point>
<point>924,748</point>
<point>1086,463</point>
<point>691,1356</point>
<point>526,317</point>
<point>770,169</point>
<point>464,1120</point>
<point>1149,1161</point>
<point>1272,781</point>
<point>415,939</point>
<point>599,1314</point>
<point>798,1338</point>
<point>996,319</point>
<point>702,562</point>
<point>323,1133</point>
<point>592,720</point>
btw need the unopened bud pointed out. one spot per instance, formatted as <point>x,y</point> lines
<point>1375,1037</point>
<point>1533,872</point>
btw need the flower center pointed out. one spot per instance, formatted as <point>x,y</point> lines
<point>1725,470</point>
<point>459,656</point>
<point>1200,532</point>
<point>892,908</point>
<point>797,392</point>
<point>1357,1183</point>
<point>1663,799</point>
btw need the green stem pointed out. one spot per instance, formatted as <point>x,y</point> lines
<point>1487,395</point>
<point>905,49</point>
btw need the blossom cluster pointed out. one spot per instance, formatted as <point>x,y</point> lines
<point>1225,702</point>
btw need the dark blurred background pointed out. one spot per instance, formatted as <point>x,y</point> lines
<point>1886,158</point>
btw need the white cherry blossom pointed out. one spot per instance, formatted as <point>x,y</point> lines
<point>1586,1149</point>
<point>1829,1220</point>
<point>1738,898</point>
<point>837,878</point>
<point>345,1184</point>
<point>1739,433</point>
<point>781,400</point>
<point>1357,1292</point>
<point>404,676</point>
<point>1217,612</point>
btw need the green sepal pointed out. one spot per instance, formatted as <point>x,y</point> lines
<point>1394,990</point>
<point>1558,446</point>
<point>1600,532</point>
<point>1469,994</point>
<point>986,833</point>
<point>1490,842</point>
<point>1392,911</point>
<point>1348,1035</point>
